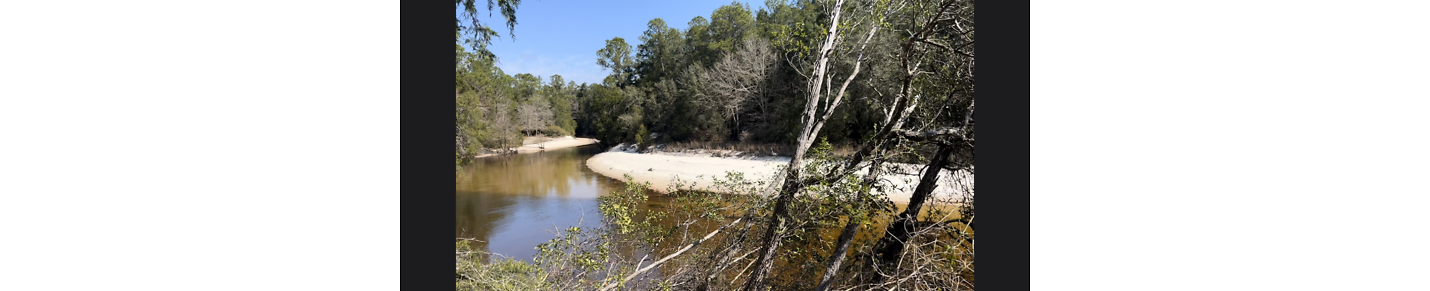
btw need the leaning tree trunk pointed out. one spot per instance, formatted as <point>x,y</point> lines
<point>851,228</point>
<point>903,104</point>
<point>891,246</point>
<point>776,226</point>
<point>812,124</point>
<point>893,121</point>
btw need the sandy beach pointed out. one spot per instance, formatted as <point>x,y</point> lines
<point>659,169</point>
<point>556,143</point>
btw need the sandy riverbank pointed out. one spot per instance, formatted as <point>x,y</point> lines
<point>556,143</point>
<point>660,169</point>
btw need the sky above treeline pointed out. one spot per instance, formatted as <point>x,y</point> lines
<point>562,36</point>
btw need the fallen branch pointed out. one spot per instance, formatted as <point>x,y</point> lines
<point>931,134</point>
<point>667,258</point>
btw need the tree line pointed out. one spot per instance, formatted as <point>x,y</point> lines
<point>494,110</point>
<point>736,76</point>
<point>722,79</point>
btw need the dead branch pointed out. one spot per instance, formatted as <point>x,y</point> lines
<point>667,258</point>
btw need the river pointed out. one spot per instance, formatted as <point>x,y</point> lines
<point>512,203</point>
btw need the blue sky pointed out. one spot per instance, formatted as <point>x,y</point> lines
<point>561,37</point>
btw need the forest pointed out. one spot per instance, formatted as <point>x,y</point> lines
<point>734,77</point>
<point>891,81</point>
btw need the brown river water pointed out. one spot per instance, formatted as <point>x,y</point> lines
<point>512,203</point>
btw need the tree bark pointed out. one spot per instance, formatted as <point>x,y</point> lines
<point>892,244</point>
<point>846,236</point>
<point>775,229</point>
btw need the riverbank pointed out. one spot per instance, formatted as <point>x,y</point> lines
<point>533,145</point>
<point>661,168</point>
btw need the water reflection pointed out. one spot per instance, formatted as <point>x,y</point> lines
<point>512,203</point>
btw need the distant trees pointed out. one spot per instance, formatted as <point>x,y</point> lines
<point>730,76</point>
<point>726,77</point>
<point>534,115</point>
<point>697,41</point>
<point>562,97</point>
<point>482,114</point>
<point>495,109</point>
<point>616,56</point>
<point>502,121</point>
<point>738,78</point>
<point>468,127</point>
<point>728,26</point>
<point>661,51</point>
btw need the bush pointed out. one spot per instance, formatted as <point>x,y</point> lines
<point>555,131</point>
<point>501,274</point>
<point>643,139</point>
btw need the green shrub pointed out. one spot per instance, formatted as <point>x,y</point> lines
<point>501,274</point>
<point>643,139</point>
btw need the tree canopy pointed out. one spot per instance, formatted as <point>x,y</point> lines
<point>479,35</point>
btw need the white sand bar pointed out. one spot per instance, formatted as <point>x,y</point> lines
<point>559,143</point>
<point>661,169</point>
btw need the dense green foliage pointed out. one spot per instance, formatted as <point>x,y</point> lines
<point>670,83</point>
<point>731,77</point>
<point>474,273</point>
<point>494,110</point>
